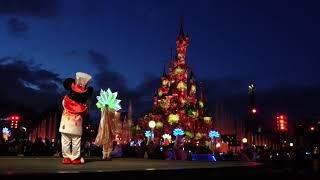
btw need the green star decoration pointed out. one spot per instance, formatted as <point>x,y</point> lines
<point>107,98</point>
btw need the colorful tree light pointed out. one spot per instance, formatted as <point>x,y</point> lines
<point>147,134</point>
<point>214,134</point>
<point>178,132</point>
<point>159,125</point>
<point>188,134</point>
<point>198,136</point>
<point>173,119</point>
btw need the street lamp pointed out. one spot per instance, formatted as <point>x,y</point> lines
<point>152,124</point>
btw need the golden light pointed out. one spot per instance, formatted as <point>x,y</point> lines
<point>207,118</point>
<point>218,145</point>
<point>152,124</point>
<point>244,140</point>
<point>254,110</point>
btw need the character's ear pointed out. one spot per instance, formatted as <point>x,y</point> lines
<point>67,83</point>
<point>89,91</point>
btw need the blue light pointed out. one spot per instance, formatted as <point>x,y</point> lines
<point>214,134</point>
<point>147,134</point>
<point>178,132</point>
<point>6,131</point>
<point>139,142</point>
<point>213,158</point>
<point>203,157</point>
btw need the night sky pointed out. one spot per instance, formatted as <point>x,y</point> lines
<point>124,44</point>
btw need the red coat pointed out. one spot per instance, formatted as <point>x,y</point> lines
<point>71,120</point>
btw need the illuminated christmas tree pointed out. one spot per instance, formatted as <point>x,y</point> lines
<point>177,103</point>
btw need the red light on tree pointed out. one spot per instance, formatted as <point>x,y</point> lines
<point>311,128</point>
<point>254,110</point>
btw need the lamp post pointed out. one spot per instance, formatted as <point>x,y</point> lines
<point>244,142</point>
<point>152,124</point>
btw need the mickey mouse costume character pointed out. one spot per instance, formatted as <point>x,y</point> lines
<point>74,105</point>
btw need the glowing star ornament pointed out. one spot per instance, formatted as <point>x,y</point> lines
<point>107,98</point>
<point>214,134</point>
<point>178,132</point>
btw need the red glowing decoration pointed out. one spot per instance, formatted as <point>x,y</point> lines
<point>282,124</point>
<point>15,117</point>
<point>254,110</point>
<point>312,128</point>
<point>14,121</point>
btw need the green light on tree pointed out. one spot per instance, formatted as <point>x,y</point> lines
<point>182,86</point>
<point>198,136</point>
<point>173,119</point>
<point>159,125</point>
<point>188,135</point>
<point>178,70</point>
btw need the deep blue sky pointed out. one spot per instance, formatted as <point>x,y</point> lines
<point>125,43</point>
<point>268,41</point>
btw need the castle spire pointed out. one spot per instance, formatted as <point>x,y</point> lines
<point>164,74</point>
<point>181,27</point>
<point>201,92</point>
<point>192,75</point>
